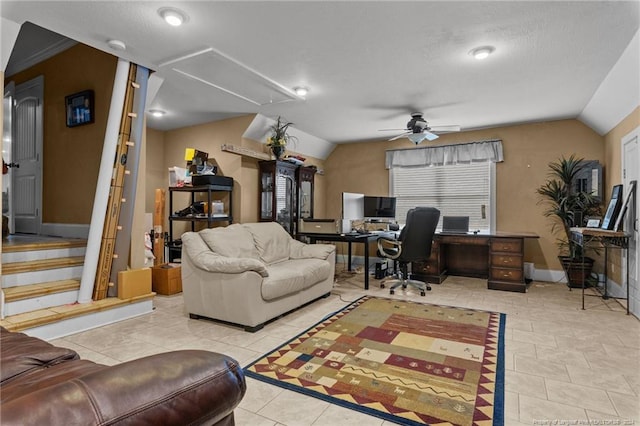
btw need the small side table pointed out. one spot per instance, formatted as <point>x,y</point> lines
<point>601,238</point>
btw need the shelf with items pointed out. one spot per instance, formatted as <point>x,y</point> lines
<point>212,210</point>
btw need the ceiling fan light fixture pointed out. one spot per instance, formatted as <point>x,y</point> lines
<point>416,138</point>
<point>157,112</point>
<point>482,52</point>
<point>173,17</point>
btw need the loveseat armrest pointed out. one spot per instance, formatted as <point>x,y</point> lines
<point>173,388</point>
<point>300,250</point>
<point>203,258</point>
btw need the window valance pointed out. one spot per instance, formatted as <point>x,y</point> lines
<point>446,154</point>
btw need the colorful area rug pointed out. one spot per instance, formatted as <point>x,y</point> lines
<point>407,362</point>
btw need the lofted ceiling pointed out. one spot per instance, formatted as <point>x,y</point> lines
<point>368,65</point>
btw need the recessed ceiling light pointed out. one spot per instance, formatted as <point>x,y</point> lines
<point>173,17</point>
<point>482,52</point>
<point>116,45</point>
<point>157,112</point>
<point>301,91</point>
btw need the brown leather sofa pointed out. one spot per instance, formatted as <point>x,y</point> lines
<point>42,384</point>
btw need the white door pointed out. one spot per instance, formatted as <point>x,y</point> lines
<point>7,157</point>
<point>630,172</point>
<point>26,182</point>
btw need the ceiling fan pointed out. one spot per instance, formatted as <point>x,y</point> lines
<point>418,130</point>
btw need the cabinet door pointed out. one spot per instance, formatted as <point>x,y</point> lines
<point>305,192</point>
<point>266,195</point>
<point>285,190</point>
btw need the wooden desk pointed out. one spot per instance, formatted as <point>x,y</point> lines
<point>364,239</point>
<point>497,257</point>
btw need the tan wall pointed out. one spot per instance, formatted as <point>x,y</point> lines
<point>71,155</point>
<point>156,175</point>
<point>209,138</point>
<point>613,159</point>
<point>527,151</point>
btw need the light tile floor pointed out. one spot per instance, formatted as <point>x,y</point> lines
<point>563,365</point>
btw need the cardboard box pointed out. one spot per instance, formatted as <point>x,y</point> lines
<point>134,282</point>
<point>167,279</point>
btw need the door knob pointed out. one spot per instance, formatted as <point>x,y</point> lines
<point>16,165</point>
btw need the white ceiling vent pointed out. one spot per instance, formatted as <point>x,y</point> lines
<point>218,70</point>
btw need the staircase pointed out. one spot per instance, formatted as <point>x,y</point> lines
<point>41,281</point>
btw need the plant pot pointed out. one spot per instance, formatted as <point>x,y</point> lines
<point>577,271</point>
<point>277,151</point>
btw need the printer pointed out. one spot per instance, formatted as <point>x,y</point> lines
<point>319,226</point>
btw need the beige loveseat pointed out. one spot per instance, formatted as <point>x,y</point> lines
<point>250,273</point>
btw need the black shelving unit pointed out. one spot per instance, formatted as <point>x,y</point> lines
<point>175,245</point>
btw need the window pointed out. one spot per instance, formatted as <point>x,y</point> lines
<point>455,190</point>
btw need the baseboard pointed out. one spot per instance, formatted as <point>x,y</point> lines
<point>65,230</point>
<point>89,321</point>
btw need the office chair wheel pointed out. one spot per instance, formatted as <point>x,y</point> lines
<point>391,291</point>
<point>422,293</point>
<point>381,285</point>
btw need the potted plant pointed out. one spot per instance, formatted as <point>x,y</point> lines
<point>566,204</point>
<point>279,137</point>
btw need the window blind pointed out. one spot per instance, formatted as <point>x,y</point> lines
<point>455,190</point>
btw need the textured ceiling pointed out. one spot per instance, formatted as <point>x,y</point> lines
<point>367,64</point>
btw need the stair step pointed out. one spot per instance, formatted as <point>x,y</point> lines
<point>55,314</point>
<point>11,294</point>
<point>41,265</point>
<point>9,246</point>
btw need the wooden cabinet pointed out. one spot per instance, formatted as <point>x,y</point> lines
<point>506,268</point>
<point>286,193</point>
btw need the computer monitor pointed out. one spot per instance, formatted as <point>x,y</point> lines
<point>379,207</point>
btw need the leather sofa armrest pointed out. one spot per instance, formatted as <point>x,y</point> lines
<point>300,250</point>
<point>173,388</point>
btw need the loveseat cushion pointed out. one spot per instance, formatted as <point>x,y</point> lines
<point>271,241</point>
<point>292,276</point>
<point>230,241</point>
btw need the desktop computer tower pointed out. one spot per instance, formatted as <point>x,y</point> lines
<point>381,270</point>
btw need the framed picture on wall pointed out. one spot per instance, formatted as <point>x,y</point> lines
<point>80,108</point>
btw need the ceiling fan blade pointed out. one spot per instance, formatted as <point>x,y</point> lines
<point>401,135</point>
<point>430,136</point>
<point>442,129</point>
<point>389,130</point>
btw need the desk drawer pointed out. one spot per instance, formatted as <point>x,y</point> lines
<point>506,274</point>
<point>508,245</point>
<point>506,260</point>
<point>461,239</point>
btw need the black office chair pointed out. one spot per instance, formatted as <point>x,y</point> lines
<point>413,244</point>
